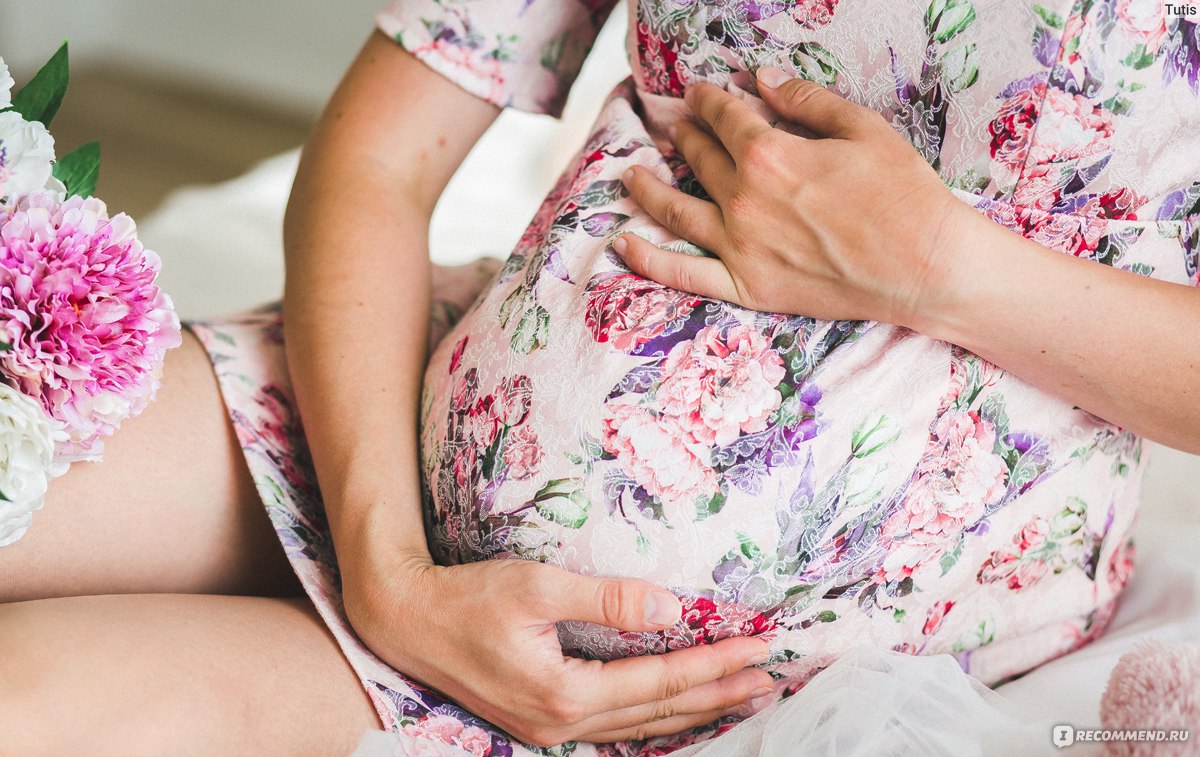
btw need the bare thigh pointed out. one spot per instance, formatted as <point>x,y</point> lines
<point>175,674</point>
<point>171,508</point>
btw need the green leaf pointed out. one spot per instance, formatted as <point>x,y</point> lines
<point>816,63</point>
<point>706,506</point>
<point>1139,58</point>
<point>949,559</point>
<point>749,548</point>
<point>952,22</point>
<point>80,169</point>
<point>41,98</point>
<point>562,500</point>
<point>533,331</point>
<point>1049,17</point>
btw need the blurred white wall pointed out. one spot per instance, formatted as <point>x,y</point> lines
<point>287,53</point>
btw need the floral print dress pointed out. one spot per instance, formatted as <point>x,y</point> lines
<point>818,483</point>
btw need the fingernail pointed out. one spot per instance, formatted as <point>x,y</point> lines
<point>761,691</point>
<point>672,132</point>
<point>771,76</point>
<point>619,244</point>
<point>758,658</point>
<point>628,175</point>
<point>661,608</point>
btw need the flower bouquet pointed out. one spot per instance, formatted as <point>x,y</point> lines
<point>83,328</point>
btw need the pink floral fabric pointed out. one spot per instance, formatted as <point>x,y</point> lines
<point>817,483</point>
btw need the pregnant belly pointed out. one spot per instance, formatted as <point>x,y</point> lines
<point>818,483</point>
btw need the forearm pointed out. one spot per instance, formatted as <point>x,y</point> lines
<point>355,328</point>
<point>356,299</point>
<point>1112,342</point>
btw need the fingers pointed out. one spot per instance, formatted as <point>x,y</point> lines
<point>689,217</point>
<point>700,701</point>
<point>707,277</point>
<point>732,120</point>
<point>634,681</point>
<point>812,106</point>
<point>662,727</point>
<point>624,603</point>
<point>707,158</point>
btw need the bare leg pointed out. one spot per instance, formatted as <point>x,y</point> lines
<point>171,508</point>
<point>175,674</point>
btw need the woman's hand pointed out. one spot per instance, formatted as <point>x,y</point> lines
<point>851,224</point>
<point>483,634</point>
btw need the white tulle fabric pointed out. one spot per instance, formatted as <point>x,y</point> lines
<point>870,703</point>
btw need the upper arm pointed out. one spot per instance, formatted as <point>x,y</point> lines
<point>395,120</point>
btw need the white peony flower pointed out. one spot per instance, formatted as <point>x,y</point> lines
<point>26,155</point>
<point>6,85</point>
<point>27,439</point>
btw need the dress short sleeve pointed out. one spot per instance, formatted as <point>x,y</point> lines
<point>523,54</point>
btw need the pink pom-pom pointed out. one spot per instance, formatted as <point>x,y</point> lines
<point>86,327</point>
<point>1154,686</point>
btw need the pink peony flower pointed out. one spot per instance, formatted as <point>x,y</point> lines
<point>1145,21</point>
<point>958,476</point>
<point>717,388</point>
<point>662,71</point>
<point>448,729</point>
<point>710,621</point>
<point>1013,566</point>
<point>88,328</point>
<point>1032,535</point>
<point>1072,133</point>
<point>627,310</point>
<point>657,455</point>
<point>1074,234</point>
<point>812,14</point>
<point>523,454</point>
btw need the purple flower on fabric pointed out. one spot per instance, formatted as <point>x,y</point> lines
<point>1183,55</point>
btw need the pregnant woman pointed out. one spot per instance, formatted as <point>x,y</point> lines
<point>845,326</point>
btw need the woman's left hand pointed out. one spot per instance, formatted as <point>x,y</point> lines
<point>852,224</point>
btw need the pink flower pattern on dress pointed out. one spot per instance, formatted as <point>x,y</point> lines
<point>1145,21</point>
<point>656,452</point>
<point>450,730</point>
<point>1038,171</point>
<point>628,311</point>
<point>959,477</point>
<point>719,387</point>
<point>523,454</point>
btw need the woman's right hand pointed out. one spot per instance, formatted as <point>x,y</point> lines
<point>483,634</point>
